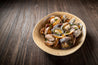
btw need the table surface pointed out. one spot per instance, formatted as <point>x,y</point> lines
<point>17,21</point>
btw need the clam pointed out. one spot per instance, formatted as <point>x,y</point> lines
<point>52,17</point>
<point>56,42</point>
<point>70,32</point>
<point>67,27</point>
<point>75,27</point>
<point>56,26</point>
<point>49,37</point>
<point>63,25</point>
<point>46,30</point>
<point>55,20</point>
<point>49,43</point>
<point>52,20</point>
<point>72,21</point>
<point>58,31</point>
<point>65,42</point>
<point>65,39</point>
<point>65,45</point>
<point>80,26</point>
<point>63,18</point>
<point>73,38</point>
<point>77,33</point>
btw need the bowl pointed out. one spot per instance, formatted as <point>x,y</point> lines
<point>39,39</point>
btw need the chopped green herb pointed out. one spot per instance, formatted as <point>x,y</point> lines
<point>45,39</point>
<point>56,33</point>
<point>50,25</point>
<point>70,44</point>
<point>70,24</point>
<point>76,28</point>
<point>67,32</point>
<point>56,19</point>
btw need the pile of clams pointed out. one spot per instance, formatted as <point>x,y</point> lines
<point>61,32</point>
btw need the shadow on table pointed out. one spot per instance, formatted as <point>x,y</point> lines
<point>80,57</point>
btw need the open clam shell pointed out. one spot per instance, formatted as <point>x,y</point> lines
<point>39,39</point>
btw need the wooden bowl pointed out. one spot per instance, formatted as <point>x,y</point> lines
<point>39,39</point>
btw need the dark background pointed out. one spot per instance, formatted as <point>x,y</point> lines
<point>18,18</point>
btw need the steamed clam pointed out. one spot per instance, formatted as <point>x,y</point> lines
<point>49,43</point>
<point>56,42</point>
<point>46,30</point>
<point>80,26</point>
<point>75,27</point>
<point>65,42</point>
<point>63,18</point>
<point>57,31</point>
<point>55,20</point>
<point>64,25</point>
<point>67,27</point>
<point>65,45</point>
<point>69,32</point>
<point>49,37</point>
<point>72,21</point>
<point>65,39</point>
<point>77,33</point>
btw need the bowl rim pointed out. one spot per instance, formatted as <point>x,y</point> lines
<point>79,45</point>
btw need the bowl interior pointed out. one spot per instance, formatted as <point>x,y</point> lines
<point>39,39</point>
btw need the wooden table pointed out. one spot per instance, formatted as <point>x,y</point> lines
<point>18,18</point>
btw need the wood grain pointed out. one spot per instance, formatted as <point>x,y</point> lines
<point>18,18</point>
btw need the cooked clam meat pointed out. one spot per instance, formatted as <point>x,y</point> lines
<point>77,33</point>
<point>72,21</point>
<point>65,39</point>
<point>49,37</point>
<point>67,27</point>
<point>49,43</point>
<point>64,45</point>
<point>63,18</point>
